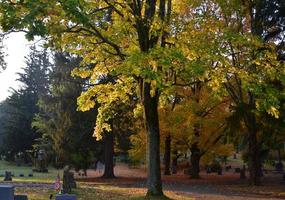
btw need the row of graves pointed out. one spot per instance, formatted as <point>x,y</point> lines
<point>63,190</point>
<point>218,169</point>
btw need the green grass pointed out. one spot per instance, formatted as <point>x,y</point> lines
<point>85,191</point>
<point>37,177</point>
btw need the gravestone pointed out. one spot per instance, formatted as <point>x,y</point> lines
<point>237,170</point>
<point>220,171</point>
<point>21,197</point>
<point>68,180</point>
<point>208,170</point>
<point>8,176</point>
<point>65,197</point>
<point>187,171</point>
<point>279,167</point>
<point>6,192</point>
<point>242,174</point>
<point>228,167</point>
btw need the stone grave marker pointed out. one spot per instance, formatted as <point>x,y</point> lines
<point>242,173</point>
<point>68,180</point>
<point>237,170</point>
<point>228,168</point>
<point>6,192</point>
<point>8,176</point>
<point>220,171</point>
<point>21,197</point>
<point>65,197</point>
<point>279,167</point>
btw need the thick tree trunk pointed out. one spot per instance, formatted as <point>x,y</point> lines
<point>167,155</point>
<point>254,160</point>
<point>154,186</point>
<point>109,155</point>
<point>195,161</point>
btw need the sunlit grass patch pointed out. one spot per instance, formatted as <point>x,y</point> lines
<point>35,193</point>
<point>26,170</point>
<point>99,192</point>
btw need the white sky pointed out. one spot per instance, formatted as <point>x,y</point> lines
<point>17,47</point>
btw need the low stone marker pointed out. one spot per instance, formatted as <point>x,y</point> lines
<point>65,197</point>
<point>6,192</point>
<point>21,197</point>
<point>8,176</point>
<point>220,171</point>
<point>237,170</point>
<point>279,167</point>
<point>228,167</point>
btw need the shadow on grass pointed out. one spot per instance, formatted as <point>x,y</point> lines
<point>151,198</point>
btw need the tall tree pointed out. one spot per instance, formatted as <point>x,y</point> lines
<point>134,49</point>
<point>22,103</point>
<point>70,131</point>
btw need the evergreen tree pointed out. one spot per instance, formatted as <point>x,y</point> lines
<point>21,105</point>
<point>70,131</point>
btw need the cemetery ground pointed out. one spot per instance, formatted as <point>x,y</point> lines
<point>130,184</point>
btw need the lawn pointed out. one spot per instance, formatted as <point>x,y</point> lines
<point>102,192</point>
<point>85,191</point>
<point>26,170</point>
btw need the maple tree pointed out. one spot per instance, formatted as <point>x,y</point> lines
<point>127,40</point>
<point>197,123</point>
<point>147,49</point>
<point>246,67</point>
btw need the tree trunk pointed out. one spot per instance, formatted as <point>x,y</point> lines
<point>254,160</point>
<point>167,155</point>
<point>174,162</point>
<point>195,161</point>
<point>279,155</point>
<point>109,155</point>
<point>154,186</point>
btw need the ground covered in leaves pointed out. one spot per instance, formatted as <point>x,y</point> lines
<point>131,184</point>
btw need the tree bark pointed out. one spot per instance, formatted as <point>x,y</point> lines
<point>154,186</point>
<point>254,160</point>
<point>167,155</point>
<point>174,162</point>
<point>109,155</point>
<point>195,161</point>
<point>279,155</point>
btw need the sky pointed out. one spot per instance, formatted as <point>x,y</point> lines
<point>16,47</point>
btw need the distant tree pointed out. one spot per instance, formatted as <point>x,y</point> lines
<point>69,130</point>
<point>21,105</point>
